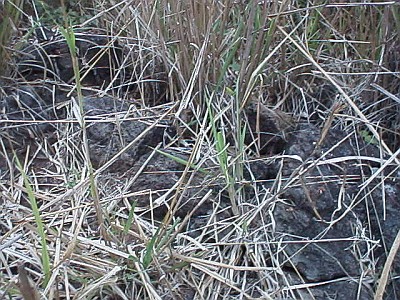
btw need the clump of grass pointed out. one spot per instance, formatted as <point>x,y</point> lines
<point>295,56</point>
<point>10,12</point>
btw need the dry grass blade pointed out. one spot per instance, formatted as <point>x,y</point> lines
<point>342,93</point>
<point>28,291</point>
<point>99,283</point>
<point>386,92</point>
<point>380,290</point>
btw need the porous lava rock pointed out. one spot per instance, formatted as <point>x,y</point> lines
<point>331,221</point>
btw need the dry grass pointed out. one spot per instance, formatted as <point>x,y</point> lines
<point>297,57</point>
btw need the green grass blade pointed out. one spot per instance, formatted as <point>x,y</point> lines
<point>180,160</point>
<point>38,221</point>
<point>148,257</point>
<point>129,222</point>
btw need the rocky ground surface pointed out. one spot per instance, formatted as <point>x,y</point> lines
<point>330,231</point>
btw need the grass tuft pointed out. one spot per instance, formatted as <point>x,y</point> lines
<point>195,216</point>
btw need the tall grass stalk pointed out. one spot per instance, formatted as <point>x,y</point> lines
<point>69,35</point>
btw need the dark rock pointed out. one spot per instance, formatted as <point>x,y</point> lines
<point>49,57</point>
<point>268,128</point>
<point>326,224</point>
<point>320,181</point>
<point>25,116</point>
<point>316,261</point>
<point>123,69</point>
<point>157,185</point>
<point>106,139</point>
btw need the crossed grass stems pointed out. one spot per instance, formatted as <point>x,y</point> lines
<point>220,56</point>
